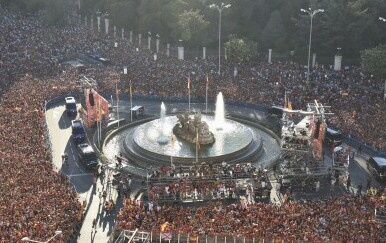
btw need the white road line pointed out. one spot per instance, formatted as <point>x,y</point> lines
<point>75,175</point>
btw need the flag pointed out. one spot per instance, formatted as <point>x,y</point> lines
<point>207,82</point>
<point>197,141</point>
<point>131,90</point>
<point>99,109</point>
<point>172,141</point>
<point>164,226</point>
<point>117,92</point>
<point>289,105</point>
<point>189,82</point>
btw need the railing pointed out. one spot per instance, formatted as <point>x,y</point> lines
<point>175,237</point>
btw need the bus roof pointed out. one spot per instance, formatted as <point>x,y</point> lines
<point>332,131</point>
<point>70,100</point>
<point>137,107</point>
<point>380,161</point>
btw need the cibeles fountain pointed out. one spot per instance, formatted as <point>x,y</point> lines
<point>220,138</point>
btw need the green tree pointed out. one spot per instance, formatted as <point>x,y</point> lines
<point>191,25</point>
<point>240,49</point>
<point>273,33</point>
<point>374,60</point>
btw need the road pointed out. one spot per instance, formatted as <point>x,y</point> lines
<point>59,127</point>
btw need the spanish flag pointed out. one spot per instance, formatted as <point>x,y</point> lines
<point>164,226</point>
<point>289,105</point>
<point>131,89</point>
<point>207,82</point>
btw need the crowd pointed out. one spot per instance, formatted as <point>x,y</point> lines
<point>345,218</point>
<point>36,200</point>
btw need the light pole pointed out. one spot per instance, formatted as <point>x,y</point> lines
<point>312,14</point>
<point>219,8</point>
<point>382,19</point>
<point>26,239</point>
<point>148,40</point>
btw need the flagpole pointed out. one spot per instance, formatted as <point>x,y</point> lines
<point>116,91</point>
<point>206,94</point>
<point>98,122</point>
<point>189,93</point>
<point>197,147</point>
<point>131,103</point>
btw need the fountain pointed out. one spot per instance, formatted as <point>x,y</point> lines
<point>163,138</point>
<point>223,139</point>
<point>193,130</point>
<point>219,115</point>
<point>163,111</point>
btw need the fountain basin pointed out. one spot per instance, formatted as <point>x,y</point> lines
<point>235,142</point>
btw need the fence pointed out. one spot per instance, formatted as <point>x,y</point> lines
<point>157,236</point>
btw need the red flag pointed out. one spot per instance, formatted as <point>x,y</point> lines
<point>188,82</point>
<point>207,82</point>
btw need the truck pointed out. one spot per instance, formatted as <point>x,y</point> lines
<point>87,156</point>
<point>78,131</point>
<point>71,106</point>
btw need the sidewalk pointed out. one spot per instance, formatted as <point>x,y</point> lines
<point>95,210</point>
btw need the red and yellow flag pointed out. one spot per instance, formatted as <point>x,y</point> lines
<point>207,82</point>
<point>131,89</point>
<point>188,82</point>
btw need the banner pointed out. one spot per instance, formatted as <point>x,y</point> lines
<point>98,112</point>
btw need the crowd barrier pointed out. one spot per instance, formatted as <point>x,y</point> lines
<point>176,237</point>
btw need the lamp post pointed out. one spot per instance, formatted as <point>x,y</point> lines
<point>382,19</point>
<point>157,43</point>
<point>312,14</point>
<point>148,40</point>
<point>26,239</point>
<point>219,8</point>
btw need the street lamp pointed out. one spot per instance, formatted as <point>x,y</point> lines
<point>26,239</point>
<point>382,19</point>
<point>312,14</point>
<point>219,8</point>
<point>148,39</point>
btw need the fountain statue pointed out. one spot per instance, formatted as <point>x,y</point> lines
<point>192,129</point>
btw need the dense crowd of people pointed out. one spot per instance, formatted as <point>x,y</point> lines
<point>345,218</point>
<point>36,200</point>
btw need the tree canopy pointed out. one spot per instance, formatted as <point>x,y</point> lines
<point>352,25</point>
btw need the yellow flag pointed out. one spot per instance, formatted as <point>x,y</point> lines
<point>131,90</point>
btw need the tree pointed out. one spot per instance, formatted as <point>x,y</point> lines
<point>274,32</point>
<point>191,25</point>
<point>240,49</point>
<point>374,60</point>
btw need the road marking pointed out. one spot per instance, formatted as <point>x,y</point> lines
<point>75,175</point>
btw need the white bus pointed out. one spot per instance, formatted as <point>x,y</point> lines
<point>138,111</point>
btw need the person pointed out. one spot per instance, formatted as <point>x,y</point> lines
<point>359,192</point>
<point>65,159</point>
<point>94,224</point>
<point>368,185</point>
<point>317,186</point>
<point>348,183</point>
